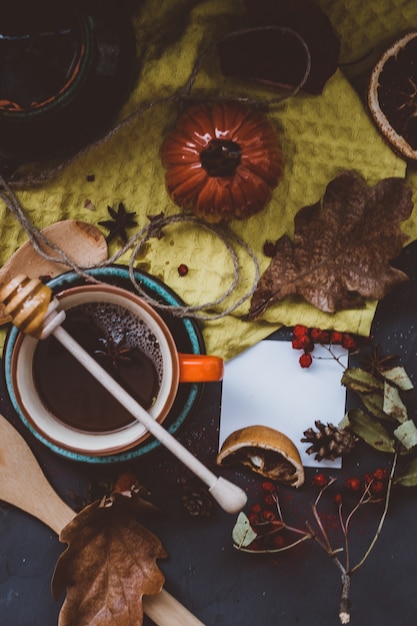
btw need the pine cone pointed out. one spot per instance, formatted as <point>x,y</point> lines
<point>196,500</point>
<point>329,442</point>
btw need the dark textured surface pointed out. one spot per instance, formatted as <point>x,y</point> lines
<point>219,584</point>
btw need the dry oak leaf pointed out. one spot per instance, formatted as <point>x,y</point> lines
<point>108,565</point>
<point>342,247</point>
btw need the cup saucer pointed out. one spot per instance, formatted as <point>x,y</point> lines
<point>185,332</point>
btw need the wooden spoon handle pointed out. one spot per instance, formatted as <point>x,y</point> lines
<point>165,610</point>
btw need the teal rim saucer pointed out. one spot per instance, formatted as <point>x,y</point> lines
<point>185,332</point>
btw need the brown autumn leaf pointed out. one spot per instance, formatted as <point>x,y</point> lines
<point>342,247</point>
<point>108,565</point>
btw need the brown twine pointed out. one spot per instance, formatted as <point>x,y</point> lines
<point>225,234</point>
<point>37,238</point>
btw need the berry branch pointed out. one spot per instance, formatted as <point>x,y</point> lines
<point>345,568</point>
<point>264,530</point>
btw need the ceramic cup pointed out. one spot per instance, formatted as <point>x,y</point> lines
<point>133,322</point>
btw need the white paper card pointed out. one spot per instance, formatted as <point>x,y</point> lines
<point>265,385</point>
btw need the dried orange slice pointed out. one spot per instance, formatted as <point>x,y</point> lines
<point>265,451</point>
<point>392,95</point>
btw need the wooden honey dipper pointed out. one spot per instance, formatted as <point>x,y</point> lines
<point>33,310</point>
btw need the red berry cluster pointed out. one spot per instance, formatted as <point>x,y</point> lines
<point>264,519</point>
<point>373,483</point>
<point>377,483</point>
<point>305,338</point>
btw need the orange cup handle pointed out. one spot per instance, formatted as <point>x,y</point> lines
<point>200,368</point>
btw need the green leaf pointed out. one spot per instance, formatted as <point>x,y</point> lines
<point>393,405</point>
<point>406,433</point>
<point>243,533</point>
<point>399,377</point>
<point>361,381</point>
<point>374,403</point>
<point>369,388</point>
<point>371,431</point>
<point>408,478</point>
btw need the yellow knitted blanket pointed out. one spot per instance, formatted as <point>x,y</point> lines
<point>320,136</point>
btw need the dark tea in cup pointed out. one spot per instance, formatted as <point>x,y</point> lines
<point>122,344</point>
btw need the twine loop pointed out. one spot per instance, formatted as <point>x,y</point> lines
<point>205,312</point>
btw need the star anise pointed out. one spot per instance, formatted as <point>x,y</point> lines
<point>196,499</point>
<point>120,222</point>
<point>113,352</point>
<point>375,363</point>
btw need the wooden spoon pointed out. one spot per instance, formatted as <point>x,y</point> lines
<point>83,243</point>
<point>23,484</point>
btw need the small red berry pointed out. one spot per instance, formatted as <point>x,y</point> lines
<point>336,337</point>
<point>296,343</point>
<point>269,516</point>
<point>268,487</point>
<point>278,541</point>
<point>348,342</point>
<point>308,345</point>
<point>381,473</point>
<point>256,508</point>
<point>320,480</point>
<point>305,360</point>
<point>269,499</point>
<point>353,483</point>
<point>300,329</point>
<point>269,248</point>
<point>377,488</point>
<point>320,336</point>
<point>182,269</point>
<point>368,478</point>
<point>325,337</point>
<point>302,342</point>
<point>338,499</point>
<point>254,519</point>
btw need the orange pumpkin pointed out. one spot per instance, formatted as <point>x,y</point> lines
<point>222,161</point>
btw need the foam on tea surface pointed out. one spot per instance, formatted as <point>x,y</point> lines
<point>122,325</point>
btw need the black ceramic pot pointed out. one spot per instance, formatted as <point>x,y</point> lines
<point>66,68</point>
